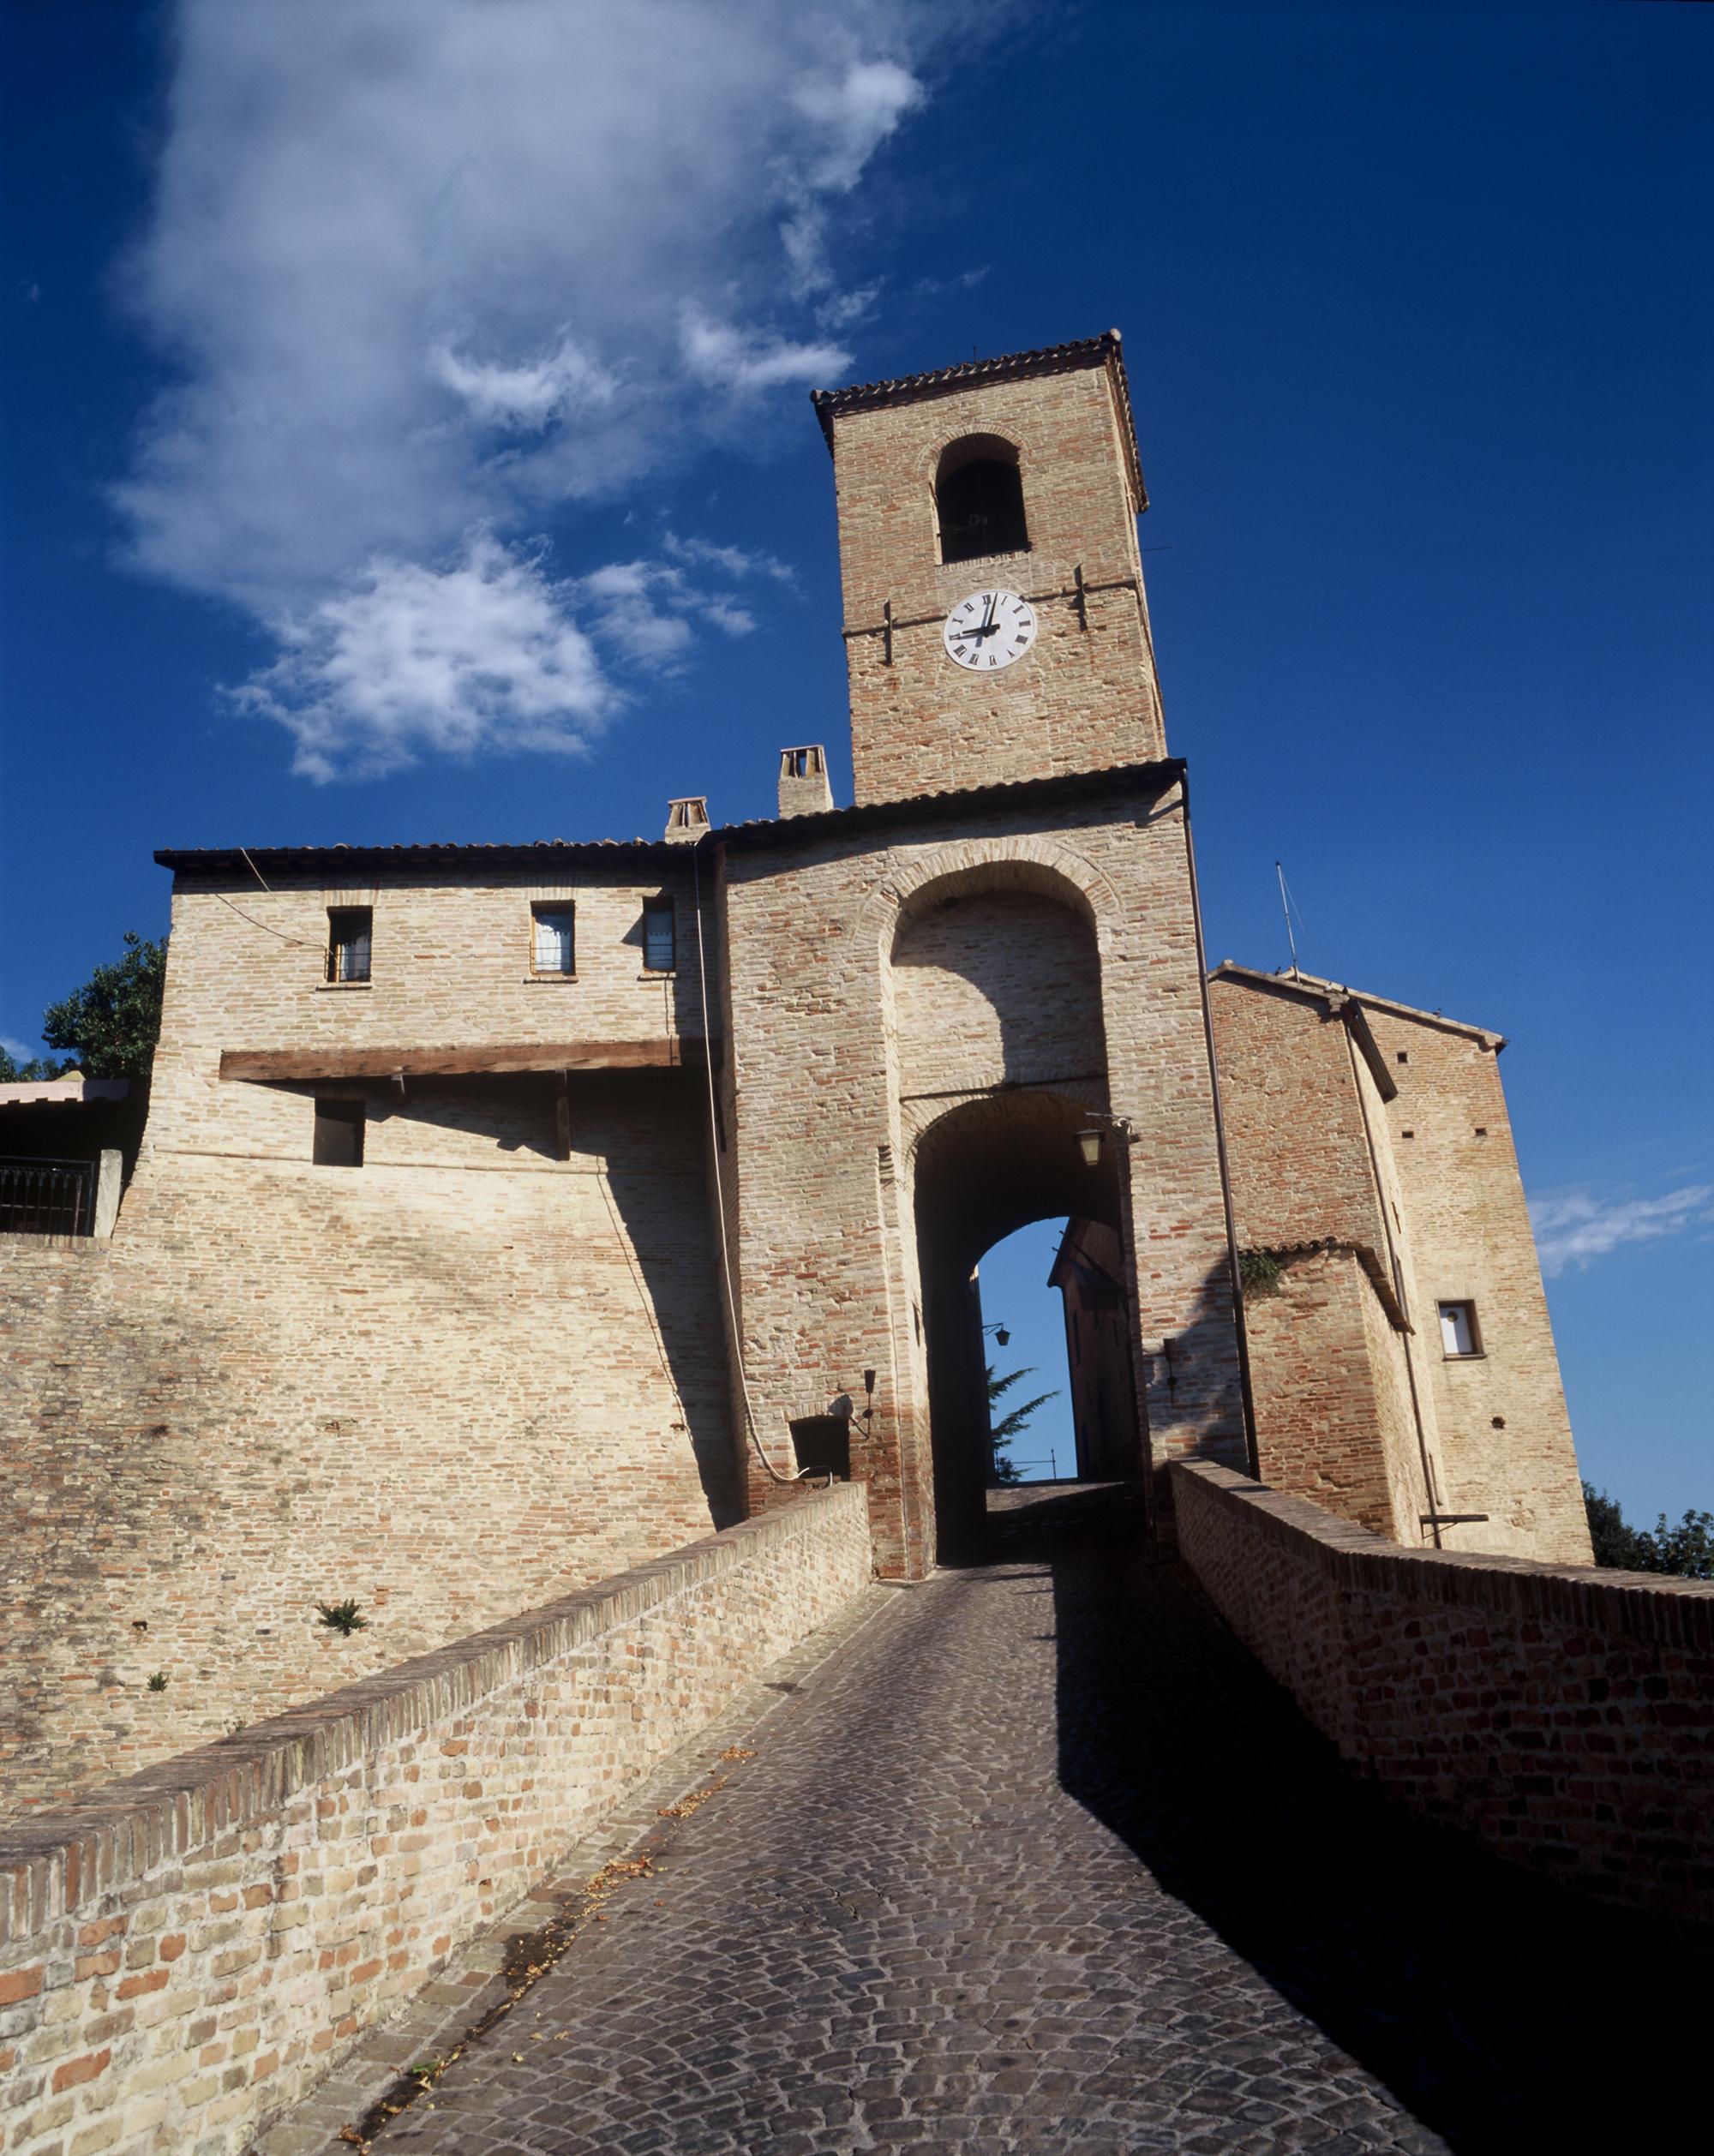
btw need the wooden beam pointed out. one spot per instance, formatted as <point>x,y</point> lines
<point>562,1116</point>
<point>667,1053</point>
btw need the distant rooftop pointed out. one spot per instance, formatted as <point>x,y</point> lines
<point>71,1091</point>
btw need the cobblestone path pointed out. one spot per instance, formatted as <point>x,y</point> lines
<point>1041,1861</point>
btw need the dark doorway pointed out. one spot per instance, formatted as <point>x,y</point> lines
<point>983,1170</point>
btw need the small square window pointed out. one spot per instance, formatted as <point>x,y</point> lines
<point>338,1133</point>
<point>1459,1333</point>
<point>660,936</point>
<point>350,935</point>
<point>554,949</point>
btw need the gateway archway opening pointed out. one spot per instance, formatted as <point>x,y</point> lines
<point>983,1170</point>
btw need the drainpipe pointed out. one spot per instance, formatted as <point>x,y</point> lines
<point>1246,1397</point>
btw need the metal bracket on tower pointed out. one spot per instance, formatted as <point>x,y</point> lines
<point>1081,599</point>
<point>887,633</point>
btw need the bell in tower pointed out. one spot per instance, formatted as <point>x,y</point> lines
<point>995,623</point>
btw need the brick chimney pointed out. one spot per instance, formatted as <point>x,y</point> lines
<point>804,790</point>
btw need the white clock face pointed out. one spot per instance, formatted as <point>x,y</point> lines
<point>988,631</point>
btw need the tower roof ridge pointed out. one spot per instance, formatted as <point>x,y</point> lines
<point>940,381</point>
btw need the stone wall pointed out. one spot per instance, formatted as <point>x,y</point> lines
<point>186,1955</point>
<point>1504,1432</point>
<point>829,1115</point>
<point>1370,1149</point>
<point>1327,1414</point>
<point>1565,1716</point>
<point>451,1383</point>
<point>479,1370</point>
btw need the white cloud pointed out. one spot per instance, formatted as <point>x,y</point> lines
<point>645,609</point>
<point>736,562</point>
<point>423,267</point>
<point>746,361</point>
<point>1573,1227</point>
<point>479,654</point>
<point>841,309</point>
<point>855,112</point>
<point>852,114</point>
<point>528,395</point>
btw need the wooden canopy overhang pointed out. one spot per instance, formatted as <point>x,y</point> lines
<point>670,1051</point>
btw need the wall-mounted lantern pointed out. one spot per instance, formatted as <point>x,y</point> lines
<point>1089,1138</point>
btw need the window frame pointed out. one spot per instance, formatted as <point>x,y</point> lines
<point>336,973</point>
<point>657,907</point>
<point>1465,1305</point>
<point>541,911</point>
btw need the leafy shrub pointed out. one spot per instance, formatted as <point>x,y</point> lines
<point>1687,1549</point>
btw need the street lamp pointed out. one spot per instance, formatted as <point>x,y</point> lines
<point>1000,1333</point>
<point>1089,1138</point>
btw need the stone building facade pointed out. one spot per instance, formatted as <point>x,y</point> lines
<point>509,1214</point>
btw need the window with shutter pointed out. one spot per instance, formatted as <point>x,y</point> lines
<point>555,947</point>
<point>660,937</point>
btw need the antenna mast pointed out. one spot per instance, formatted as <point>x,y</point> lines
<point>1285,908</point>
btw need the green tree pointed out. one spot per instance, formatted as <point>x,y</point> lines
<point>1014,1421</point>
<point>1687,1549</point>
<point>13,1073</point>
<point>113,1021</point>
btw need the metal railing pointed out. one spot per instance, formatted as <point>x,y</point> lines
<point>47,1197</point>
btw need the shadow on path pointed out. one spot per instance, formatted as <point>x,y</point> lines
<point>1501,2011</point>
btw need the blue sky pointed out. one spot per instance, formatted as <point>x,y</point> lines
<point>480,330</point>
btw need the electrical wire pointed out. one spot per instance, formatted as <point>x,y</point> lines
<point>720,1205</point>
<point>296,942</point>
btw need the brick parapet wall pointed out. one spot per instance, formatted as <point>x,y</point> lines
<point>1565,1716</point>
<point>184,1955</point>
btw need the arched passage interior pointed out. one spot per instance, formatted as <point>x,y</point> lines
<point>983,1169</point>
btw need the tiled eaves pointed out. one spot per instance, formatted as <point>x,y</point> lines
<point>934,808</point>
<point>655,854</point>
<point>534,854</point>
<point>52,1863</point>
<point>1655,1609</point>
<point>1105,350</point>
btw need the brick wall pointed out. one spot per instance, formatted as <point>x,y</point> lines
<point>454,1382</point>
<point>1500,1417</point>
<point>1385,1195</point>
<point>1331,1424</point>
<point>874,972</point>
<point>1084,698</point>
<point>1565,1716</point>
<point>183,1957</point>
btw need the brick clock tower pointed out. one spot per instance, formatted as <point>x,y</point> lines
<point>973,999</point>
<point>995,624</point>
